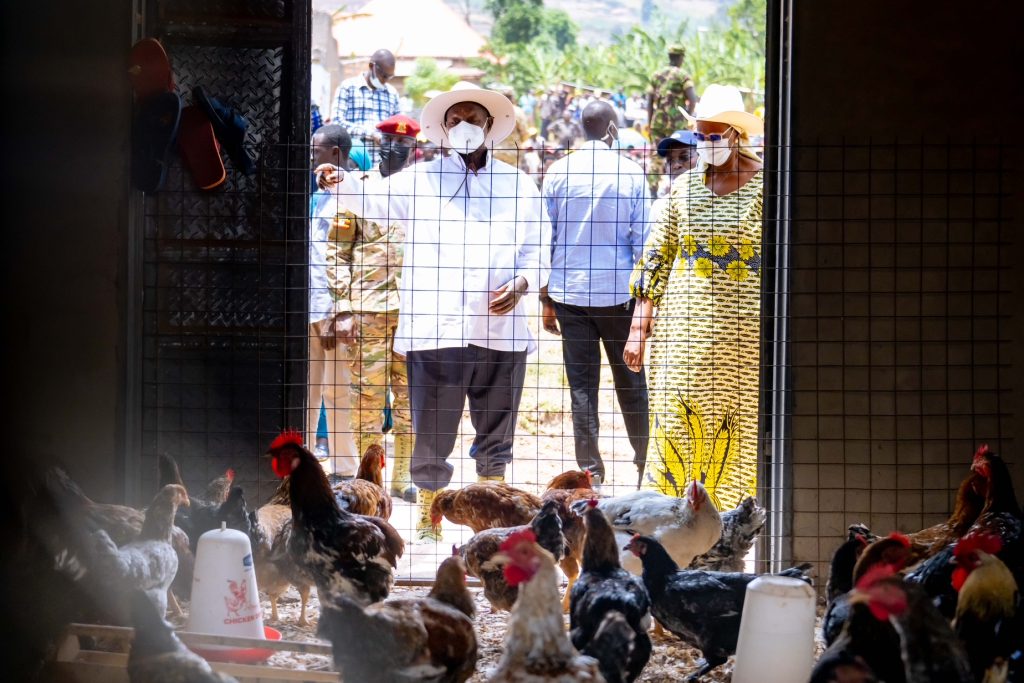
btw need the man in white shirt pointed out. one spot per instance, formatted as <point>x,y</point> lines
<point>474,246</point>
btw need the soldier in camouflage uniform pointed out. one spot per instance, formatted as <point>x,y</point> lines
<point>364,261</point>
<point>672,88</point>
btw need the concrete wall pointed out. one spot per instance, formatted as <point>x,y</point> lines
<point>66,125</point>
<point>906,306</point>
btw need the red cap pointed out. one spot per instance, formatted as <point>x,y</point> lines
<point>399,124</point>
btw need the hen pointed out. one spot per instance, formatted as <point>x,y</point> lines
<point>571,480</point>
<point>365,494</point>
<point>147,564</point>
<point>485,505</point>
<point>346,554</point>
<point>970,499</point>
<point>276,569</point>
<point>157,656</point>
<point>480,550</point>
<point>417,639</point>
<point>536,648</point>
<point>202,514</point>
<point>605,588</point>
<point>840,571</point>
<point>686,527</point>
<point>565,490</point>
<point>740,526</point>
<point>702,608</point>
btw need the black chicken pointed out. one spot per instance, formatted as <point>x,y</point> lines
<point>345,554</point>
<point>157,656</point>
<point>702,608</point>
<point>840,572</point>
<point>605,588</point>
<point>204,514</point>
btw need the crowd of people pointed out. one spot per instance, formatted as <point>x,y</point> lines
<point>425,237</point>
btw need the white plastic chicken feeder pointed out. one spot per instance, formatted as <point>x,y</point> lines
<point>776,642</point>
<point>225,599</point>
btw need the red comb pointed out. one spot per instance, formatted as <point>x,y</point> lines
<point>972,543</point>
<point>874,575</point>
<point>982,450</point>
<point>288,437</point>
<point>897,536</point>
<point>230,474</point>
<point>524,536</point>
<point>592,503</point>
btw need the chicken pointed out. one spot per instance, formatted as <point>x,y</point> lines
<point>686,527</point>
<point>201,514</point>
<point>866,648</point>
<point>930,651</point>
<point>219,488</point>
<point>148,563</point>
<point>536,648</point>
<point>417,639</point>
<point>605,588</point>
<point>480,550</point>
<point>345,554</point>
<point>988,605</point>
<point>573,479</point>
<point>271,530</point>
<point>365,495</point>
<point>970,499</point>
<point>840,573</point>
<point>485,505</point>
<point>573,529</point>
<point>702,608</point>
<point>740,526</point>
<point>613,647</point>
<point>157,656</point>
<point>893,551</point>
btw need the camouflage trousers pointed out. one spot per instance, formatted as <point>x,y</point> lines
<point>376,370</point>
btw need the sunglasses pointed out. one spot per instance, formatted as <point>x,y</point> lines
<point>711,137</point>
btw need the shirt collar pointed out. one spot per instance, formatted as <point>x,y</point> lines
<point>460,163</point>
<point>596,145</point>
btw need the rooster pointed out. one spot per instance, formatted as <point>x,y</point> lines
<point>700,607</point>
<point>416,639</point>
<point>929,649</point>
<point>365,495</point>
<point>484,505</point>
<point>345,554</point>
<point>148,563</point>
<point>970,499</point>
<point>605,588</point>
<point>480,550</point>
<point>686,527</point>
<point>740,526</point>
<point>157,656</point>
<point>988,607</point>
<point>536,648</point>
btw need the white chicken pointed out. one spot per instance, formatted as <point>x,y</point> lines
<point>686,527</point>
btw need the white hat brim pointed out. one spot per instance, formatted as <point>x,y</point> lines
<point>748,123</point>
<point>499,107</point>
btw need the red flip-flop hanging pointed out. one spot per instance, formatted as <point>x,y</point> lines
<point>198,147</point>
<point>149,69</point>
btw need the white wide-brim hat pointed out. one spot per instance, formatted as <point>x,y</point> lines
<point>497,105</point>
<point>724,104</point>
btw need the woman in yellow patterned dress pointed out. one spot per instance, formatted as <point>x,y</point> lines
<point>701,270</point>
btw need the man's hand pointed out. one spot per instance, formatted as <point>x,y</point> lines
<point>505,298</point>
<point>346,328</point>
<point>325,331</point>
<point>328,175</point>
<point>548,317</point>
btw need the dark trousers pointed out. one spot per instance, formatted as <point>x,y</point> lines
<point>584,328</point>
<point>440,380</point>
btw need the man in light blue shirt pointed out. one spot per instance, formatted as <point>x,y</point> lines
<point>598,203</point>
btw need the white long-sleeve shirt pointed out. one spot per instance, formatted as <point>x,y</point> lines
<point>466,235</point>
<point>321,306</point>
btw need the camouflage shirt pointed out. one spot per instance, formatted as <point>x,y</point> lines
<point>364,261</point>
<point>667,95</point>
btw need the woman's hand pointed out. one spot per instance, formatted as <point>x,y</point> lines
<point>639,330</point>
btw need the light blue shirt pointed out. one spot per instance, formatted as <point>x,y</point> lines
<point>598,202</point>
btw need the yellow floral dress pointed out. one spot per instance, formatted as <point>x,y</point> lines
<point>701,267</point>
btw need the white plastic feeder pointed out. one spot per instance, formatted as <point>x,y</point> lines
<point>225,599</point>
<point>776,642</point>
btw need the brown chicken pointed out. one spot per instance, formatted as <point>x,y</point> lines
<point>970,499</point>
<point>573,527</point>
<point>365,495</point>
<point>275,569</point>
<point>485,505</point>
<point>573,479</point>
<point>414,639</point>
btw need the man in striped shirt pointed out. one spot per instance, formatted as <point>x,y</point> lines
<point>363,101</point>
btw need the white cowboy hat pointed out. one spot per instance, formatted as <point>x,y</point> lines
<point>497,105</point>
<point>724,104</point>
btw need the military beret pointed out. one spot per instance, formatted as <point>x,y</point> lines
<point>399,124</point>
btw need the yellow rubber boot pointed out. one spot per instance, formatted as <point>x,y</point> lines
<point>401,478</point>
<point>494,477</point>
<point>425,529</point>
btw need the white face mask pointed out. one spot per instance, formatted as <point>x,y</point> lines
<point>374,81</point>
<point>464,137</point>
<point>715,153</point>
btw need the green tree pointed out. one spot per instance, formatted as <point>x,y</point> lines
<point>426,76</point>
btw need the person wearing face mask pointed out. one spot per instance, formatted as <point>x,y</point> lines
<point>364,260</point>
<point>701,269</point>
<point>361,102</point>
<point>597,201</point>
<point>474,247</point>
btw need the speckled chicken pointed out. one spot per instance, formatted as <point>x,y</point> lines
<point>414,639</point>
<point>485,505</point>
<point>365,495</point>
<point>536,648</point>
<point>740,526</point>
<point>480,550</point>
<point>276,569</point>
